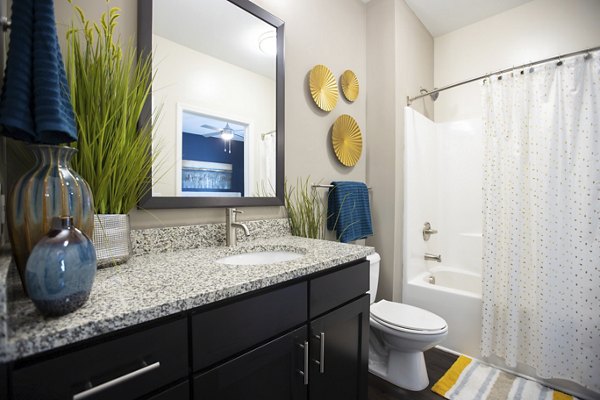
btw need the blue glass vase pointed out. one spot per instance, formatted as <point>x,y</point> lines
<point>61,269</point>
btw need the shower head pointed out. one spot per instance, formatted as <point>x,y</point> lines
<point>433,95</point>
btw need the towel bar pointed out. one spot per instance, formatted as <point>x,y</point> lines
<point>5,23</point>
<point>318,185</point>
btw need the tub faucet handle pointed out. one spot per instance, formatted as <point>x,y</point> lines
<point>427,231</point>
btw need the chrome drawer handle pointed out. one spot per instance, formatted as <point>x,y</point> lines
<point>113,382</point>
<point>305,372</point>
<point>321,361</point>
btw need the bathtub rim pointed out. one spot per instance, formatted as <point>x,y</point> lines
<point>421,280</point>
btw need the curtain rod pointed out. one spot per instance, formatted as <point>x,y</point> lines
<point>262,135</point>
<point>409,100</point>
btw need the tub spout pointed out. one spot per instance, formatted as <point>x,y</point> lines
<point>433,257</point>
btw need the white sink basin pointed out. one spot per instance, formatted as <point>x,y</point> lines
<point>260,257</point>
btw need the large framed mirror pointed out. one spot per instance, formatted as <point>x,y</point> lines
<point>217,102</point>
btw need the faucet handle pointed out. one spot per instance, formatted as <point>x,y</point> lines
<point>237,211</point>
<point>427,231</point>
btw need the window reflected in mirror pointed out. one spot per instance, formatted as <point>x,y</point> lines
<point>213,162</point>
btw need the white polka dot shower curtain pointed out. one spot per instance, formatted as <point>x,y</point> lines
<point>541,222</point>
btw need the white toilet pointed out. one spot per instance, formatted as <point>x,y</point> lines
<point>398,337</point>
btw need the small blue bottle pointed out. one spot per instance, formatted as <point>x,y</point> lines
<point>61,269</point>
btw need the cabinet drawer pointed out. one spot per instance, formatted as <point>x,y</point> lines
<point>178,392</point>
<point>227,330</point>
<point>336,288</point>
<point>272,371</point>
<point>122,368</point>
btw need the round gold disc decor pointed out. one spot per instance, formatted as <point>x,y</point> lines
<point>346,140</point>
<point>349,85</point>
<point>323,87</point>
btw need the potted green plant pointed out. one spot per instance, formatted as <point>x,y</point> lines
<point>109,86</point>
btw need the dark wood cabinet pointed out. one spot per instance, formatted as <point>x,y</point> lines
<point>336,342</point>
<point>304,339</point>
<point>339,343</point>
<point>273,371</point>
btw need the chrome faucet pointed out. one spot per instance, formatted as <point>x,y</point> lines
<point>433,257</point>
<point>231,224</point>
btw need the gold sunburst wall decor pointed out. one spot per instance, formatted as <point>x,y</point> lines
<point>346,140</point>
<point>323,87</point>
<point>349,83</point>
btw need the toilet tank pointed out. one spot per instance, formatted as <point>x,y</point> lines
<point>374,260</point>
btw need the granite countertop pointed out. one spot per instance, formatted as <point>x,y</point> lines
<point>155,285</point>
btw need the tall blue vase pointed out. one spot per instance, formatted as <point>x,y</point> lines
<point>61,269</point>
<point>50,189</point>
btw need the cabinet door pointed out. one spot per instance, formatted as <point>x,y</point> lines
<point>339,353</point>
<point>3,381</point>
<point>270,372</point>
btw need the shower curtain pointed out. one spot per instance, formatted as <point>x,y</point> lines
<point>267,156</point>
<point>541,219</point>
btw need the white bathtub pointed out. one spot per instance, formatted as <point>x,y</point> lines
<point>456,297</point>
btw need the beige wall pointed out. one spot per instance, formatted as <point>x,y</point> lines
<point>534,31</point>
<point>399,62</point>
<point>331,32</point>
<point>388,48</point>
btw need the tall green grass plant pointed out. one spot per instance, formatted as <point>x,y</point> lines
<point>305,210</point>
<point>109,87</point>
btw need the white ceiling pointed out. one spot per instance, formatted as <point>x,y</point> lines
<point>217,28</point>
<point>443,16</point>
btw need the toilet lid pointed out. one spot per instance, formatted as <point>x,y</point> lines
<point>405,316</point>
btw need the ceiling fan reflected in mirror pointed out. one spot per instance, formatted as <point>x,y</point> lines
<point>226,133</point>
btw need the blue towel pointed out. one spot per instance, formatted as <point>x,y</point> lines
<point>35,104</point>
<point>348,211</point>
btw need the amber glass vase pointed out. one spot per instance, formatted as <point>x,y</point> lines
<point>50,189</point>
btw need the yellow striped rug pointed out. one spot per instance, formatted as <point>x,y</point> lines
<point>468,379</point>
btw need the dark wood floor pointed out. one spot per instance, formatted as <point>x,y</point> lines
<point>437,361</point>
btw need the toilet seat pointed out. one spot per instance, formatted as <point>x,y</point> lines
<point>406,318</point>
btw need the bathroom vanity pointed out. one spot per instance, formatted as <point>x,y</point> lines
<point>180,325</point>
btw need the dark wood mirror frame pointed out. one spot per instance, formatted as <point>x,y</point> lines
<point>144,34</point>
